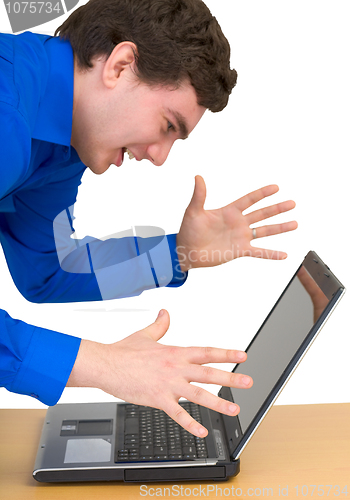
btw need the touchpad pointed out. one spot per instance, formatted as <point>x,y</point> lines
<point>87,450</point>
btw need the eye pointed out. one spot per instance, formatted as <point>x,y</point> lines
<point>171,126</point>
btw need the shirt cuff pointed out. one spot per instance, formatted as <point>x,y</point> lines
<point>179,277</point>
<point>45,370</point>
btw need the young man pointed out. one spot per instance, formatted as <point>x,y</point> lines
<point>124,75</point>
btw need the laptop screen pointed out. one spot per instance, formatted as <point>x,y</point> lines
<point>277,341</point>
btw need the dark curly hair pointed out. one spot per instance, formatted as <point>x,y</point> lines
<point>175,40</point>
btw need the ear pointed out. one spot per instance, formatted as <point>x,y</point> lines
<point>120,59</point>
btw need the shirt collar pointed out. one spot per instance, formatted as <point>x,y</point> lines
<point>54,119</point>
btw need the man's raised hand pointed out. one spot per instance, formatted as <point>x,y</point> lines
<point>211,237</point>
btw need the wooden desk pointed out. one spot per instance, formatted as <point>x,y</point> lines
<point>295,446</point>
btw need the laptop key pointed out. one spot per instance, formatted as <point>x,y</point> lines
<point>146,450</point>
<point>160,450</point>
<point>188,450</point>
<point>131,440</point>
<point>131,436</point>
<point>175,451</point>
<point>131,426</point>
<point>131,446</point>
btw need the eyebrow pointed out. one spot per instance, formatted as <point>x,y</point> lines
<point>181,124</point>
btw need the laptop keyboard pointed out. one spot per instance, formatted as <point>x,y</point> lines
<point>151,435</point>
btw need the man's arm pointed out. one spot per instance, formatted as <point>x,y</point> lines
<point>139,370</point>
<point>48,264</point>
<point>92,271</point>
<point>35,361</point>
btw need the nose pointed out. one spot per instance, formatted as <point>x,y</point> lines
<point>159,152</point>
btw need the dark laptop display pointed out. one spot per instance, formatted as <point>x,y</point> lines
<point>119,441</point>
<point>280,343</point>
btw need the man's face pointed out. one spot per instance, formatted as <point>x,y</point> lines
<point>132,115</point>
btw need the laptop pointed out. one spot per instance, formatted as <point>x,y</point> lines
<point>124,442</point>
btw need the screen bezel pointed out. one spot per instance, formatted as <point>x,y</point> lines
<point>334,290</point>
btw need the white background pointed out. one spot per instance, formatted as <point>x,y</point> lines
<point>287,123</point>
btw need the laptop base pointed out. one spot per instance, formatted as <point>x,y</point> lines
<point>201,473</point>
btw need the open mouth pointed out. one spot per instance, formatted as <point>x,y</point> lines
<point>131,156</point>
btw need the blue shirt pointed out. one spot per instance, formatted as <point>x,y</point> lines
<point>39,177</point>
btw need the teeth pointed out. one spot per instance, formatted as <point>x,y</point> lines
<point>131,156</point>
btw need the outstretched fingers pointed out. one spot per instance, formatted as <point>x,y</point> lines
<point>195,372</point>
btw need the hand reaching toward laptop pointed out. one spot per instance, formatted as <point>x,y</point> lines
<point>140,370</point>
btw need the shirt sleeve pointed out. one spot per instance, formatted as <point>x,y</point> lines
<point>34,361</point>
<point>47,264</point>
<point>179,277</point>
